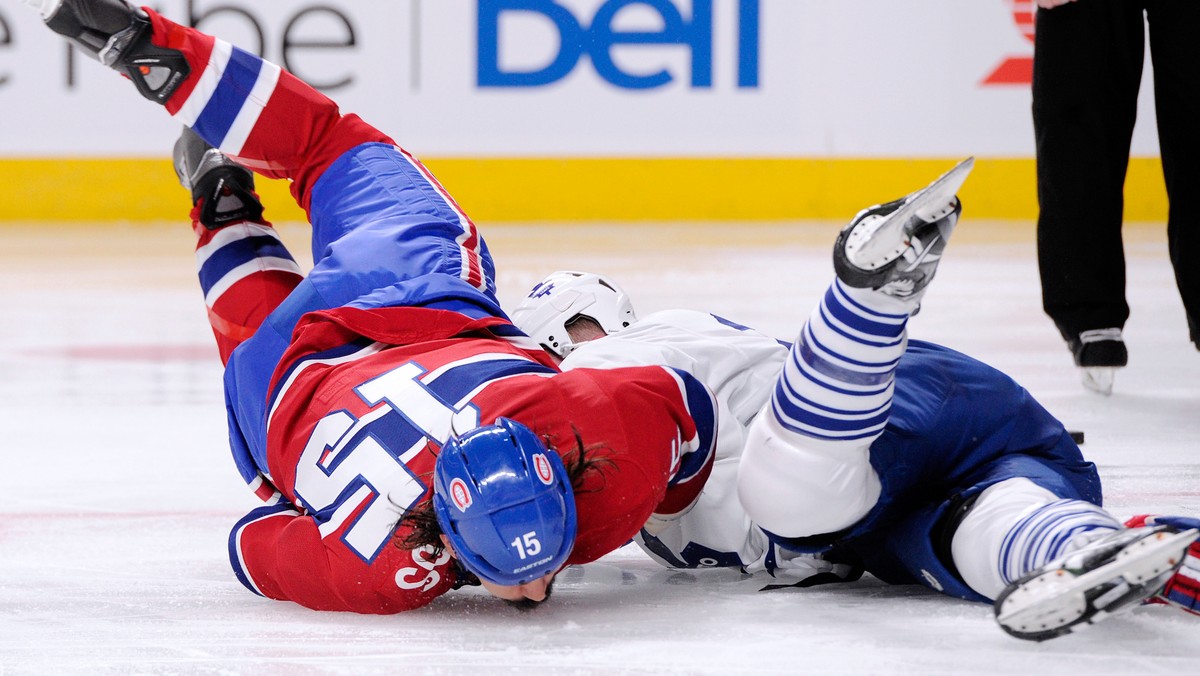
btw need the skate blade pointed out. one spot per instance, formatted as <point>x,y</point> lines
<point>929,203</point>
<point>1054,602</point>
<point>1099,379</point>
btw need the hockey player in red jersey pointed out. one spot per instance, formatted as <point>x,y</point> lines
<point>343,385</point>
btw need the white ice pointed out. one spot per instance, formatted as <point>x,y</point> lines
<point>118,490</point>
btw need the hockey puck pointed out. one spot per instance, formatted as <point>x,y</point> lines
<point>1076,436</point>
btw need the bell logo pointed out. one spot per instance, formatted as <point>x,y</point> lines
<point>460,495</point>
<point>1017,70</point>
<point>541,467</point>
<point>595,36</point>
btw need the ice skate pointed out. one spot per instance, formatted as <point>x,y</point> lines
<point>1099,353</point>
<point>225,187</point>
<point>895,247</point>
<point>1117,571</point>
<point>1183,588</point>
<point>117,35</point>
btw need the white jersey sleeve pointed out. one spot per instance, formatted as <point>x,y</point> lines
<point>741,366</point>
<point>737,363</point>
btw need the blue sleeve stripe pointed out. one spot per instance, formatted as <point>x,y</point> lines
<point>238,253</point>
<point>740,327</point>
<point>235,537</point>
<point>730,324</point>
<point>703,410</point>
<point>229,96</point>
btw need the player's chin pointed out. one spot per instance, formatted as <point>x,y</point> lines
<point>529,604</point>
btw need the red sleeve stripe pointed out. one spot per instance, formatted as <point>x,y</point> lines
<point>469,240</point>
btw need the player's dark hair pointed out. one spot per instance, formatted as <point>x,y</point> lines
<point>420,528</point>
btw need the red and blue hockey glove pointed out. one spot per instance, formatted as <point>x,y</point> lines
<point>1183,589</point>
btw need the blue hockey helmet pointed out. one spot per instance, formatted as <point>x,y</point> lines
<point>505,502</point>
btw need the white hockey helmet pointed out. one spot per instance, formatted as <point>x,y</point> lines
<point>565,296</point>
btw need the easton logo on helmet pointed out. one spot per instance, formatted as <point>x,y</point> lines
<point>542,467</point>
<point>460,494</point>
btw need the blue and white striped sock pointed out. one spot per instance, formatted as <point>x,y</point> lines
<point>1049,532</point>
<point>838,381</point>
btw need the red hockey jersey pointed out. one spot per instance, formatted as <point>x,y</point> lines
<point>356,403</point>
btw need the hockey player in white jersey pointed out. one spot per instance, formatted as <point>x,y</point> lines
<point>568,311</point>
<point>855,448</point>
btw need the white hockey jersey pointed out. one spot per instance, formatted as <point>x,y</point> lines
<point>740,365</point>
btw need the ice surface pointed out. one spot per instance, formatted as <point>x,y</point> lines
<point>118,489</point>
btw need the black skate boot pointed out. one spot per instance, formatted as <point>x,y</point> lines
<point>117,35</point>
<point>225,187</point>
<point>1099,353</point>
<point>1118,570</point>
<point>895,248</point>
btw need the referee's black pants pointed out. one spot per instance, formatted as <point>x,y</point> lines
<point>1087,71</point>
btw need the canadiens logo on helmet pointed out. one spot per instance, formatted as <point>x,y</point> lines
<point>460,495</point>
<point>520,528</point>
<point>545,473</point>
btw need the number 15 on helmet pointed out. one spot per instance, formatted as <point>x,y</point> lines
<point>505,502</point>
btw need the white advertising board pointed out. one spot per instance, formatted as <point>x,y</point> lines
<point>585,78</point>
